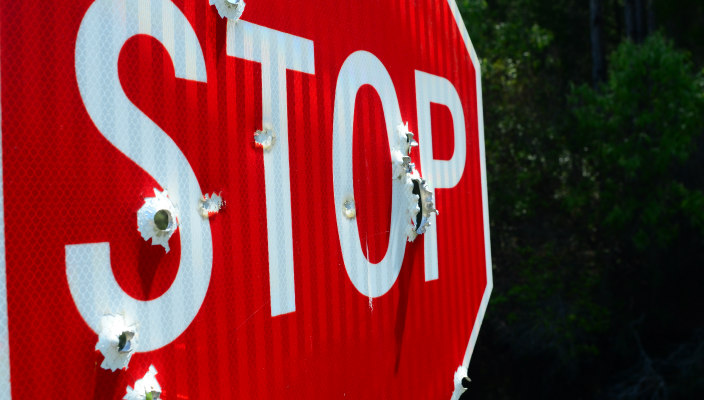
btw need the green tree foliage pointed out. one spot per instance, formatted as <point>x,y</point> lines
<point>596,206</point>
<point>631,138</point>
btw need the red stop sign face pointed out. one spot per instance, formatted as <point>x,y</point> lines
<point>305,283</point>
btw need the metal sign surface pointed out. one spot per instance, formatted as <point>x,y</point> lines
<point>308,282</point>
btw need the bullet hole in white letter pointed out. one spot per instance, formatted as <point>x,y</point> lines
<point>265,138</point>
<point>348,208</point>
<point>419,196</point>
<point>210,205</point>
<point>117,341</point>
<point>146,388</point>
<point>157,219</point>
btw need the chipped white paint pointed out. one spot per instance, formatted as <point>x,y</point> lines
<point>148,222</point>
<point>230,9</point>
<point>145,388</point>
<point>117,355</point>
<point>210,205</point>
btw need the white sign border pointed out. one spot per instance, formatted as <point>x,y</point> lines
<point>5,390</point>
<point>485,198</point>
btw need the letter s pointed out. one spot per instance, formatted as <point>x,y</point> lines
<point>106,26</point>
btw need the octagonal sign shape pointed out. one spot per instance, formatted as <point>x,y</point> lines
<point>323,273</point>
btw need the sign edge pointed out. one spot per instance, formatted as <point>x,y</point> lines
<point>5,388</point>
<point>485,198</point>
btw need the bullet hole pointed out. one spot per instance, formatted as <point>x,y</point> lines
<point>348,208</point>
<point>230,9</point>
<point>426,204</point>
<point>265,138</point>
<point>157,219</point>
<point>210,205</point>
<point>124,342</point>
<point>161,220</point>
<point>418,201</point>
<point>465,386</point>
<point>117,341</point>
<point>461,381</point>
<point>416,191</point>
<point>152,396</point>
<point>146,388</point>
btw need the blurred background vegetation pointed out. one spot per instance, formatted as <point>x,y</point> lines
<point>594,126</point>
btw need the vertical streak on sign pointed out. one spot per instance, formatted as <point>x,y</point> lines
<point>4,336</point>
<point>276,52</point>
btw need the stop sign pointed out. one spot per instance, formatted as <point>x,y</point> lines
<point>209,207</point>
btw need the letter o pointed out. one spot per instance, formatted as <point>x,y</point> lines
<point>363,68</point>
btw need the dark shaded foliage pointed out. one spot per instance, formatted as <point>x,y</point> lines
<point>596,201</point>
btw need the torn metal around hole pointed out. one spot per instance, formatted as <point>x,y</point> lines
<point>157,219</point>
<point>153,395</point>
<point>419,195</point>
<point>210,204</point>
<point>265,138</point>
<point>146,388</point>
<point>230,9</point>
<point>117,341</point>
